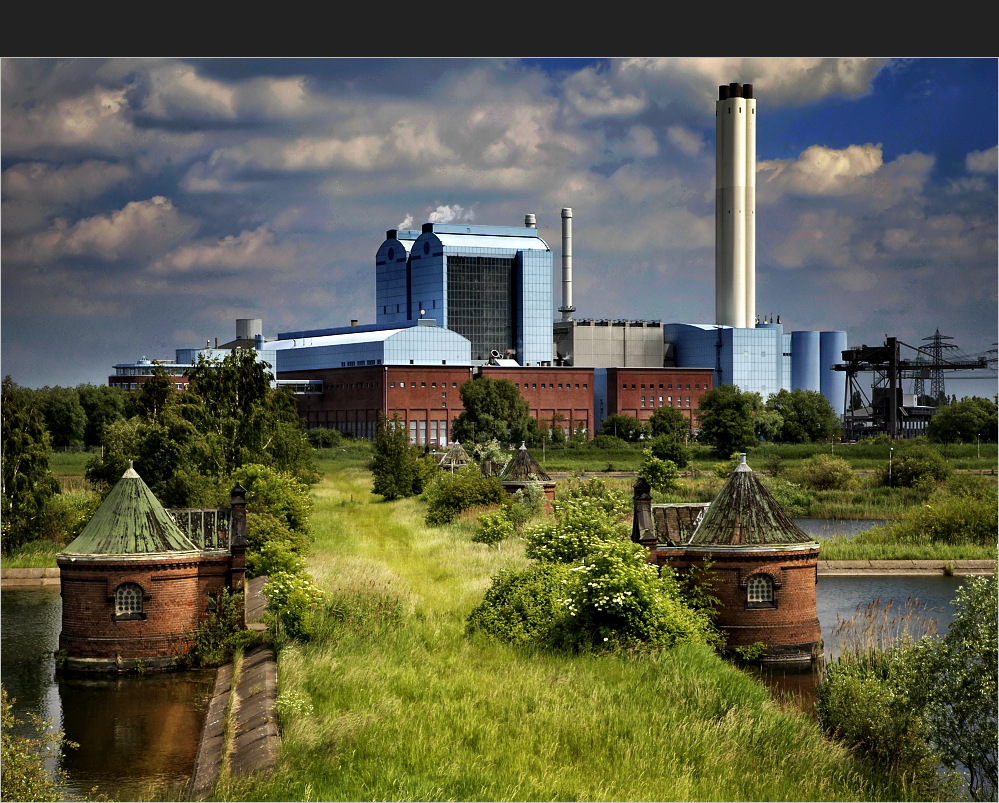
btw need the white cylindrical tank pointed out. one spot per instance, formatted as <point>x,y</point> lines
<point>249,328</point>
<point>805,373</point>
<point>833,383</point>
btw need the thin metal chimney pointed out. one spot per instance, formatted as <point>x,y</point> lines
<point>567,309</point>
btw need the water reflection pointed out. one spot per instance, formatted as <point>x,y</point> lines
<point>134,732</point>
<point>838,598</point>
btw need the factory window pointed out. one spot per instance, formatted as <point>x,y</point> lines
<point>688,386</point>
<point>688,401</point>
<point>584,386</point>
<point>433,384</point>
<point>577,386</point>
<point>669,399</point>
<point>454,384</point>
<point>534,385</point>
<point>624,386</point>
<point>423,384</point>
<point>660,401</point>
<point>669,386</point>
<point>643,386</point>
<point>128,602</point>
<point>412,384</point>
<point>560,386</point>
<point>391,384</point>
<point>643,401</point>
<point>760,592</point>
<point>633,386</point>
<point>444,395</point>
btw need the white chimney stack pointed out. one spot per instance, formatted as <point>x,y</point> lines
<point>735,206</point>
<point>567,309</point>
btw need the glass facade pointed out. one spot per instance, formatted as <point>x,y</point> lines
<point>480,295</point>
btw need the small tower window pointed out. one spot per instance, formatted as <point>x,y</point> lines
<point>760,591</point>
<point>128,602</point>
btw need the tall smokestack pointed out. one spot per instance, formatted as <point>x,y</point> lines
<point>735,206</point>
<point>567,309</point>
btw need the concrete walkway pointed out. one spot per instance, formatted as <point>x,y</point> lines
<point>241,728</point>
<point>959,568</point>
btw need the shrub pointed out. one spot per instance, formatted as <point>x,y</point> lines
<point>494,528</point>
<point>788,495</point>
<point>916,465</point>
<point>451,494</point>
<point>221,632</point>
<point>609,442</point>
<point>662,475</point>
<point>823,472</point>
<point>666,447</point>
<point>290,601</point>
<point>23,758</point>
<point>580,526</point>
<point>524,607</point>
<point>272,545</point>
<point>323,438</point>
<point>622,601</point>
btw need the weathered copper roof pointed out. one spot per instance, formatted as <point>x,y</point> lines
<point>131,521</point>
<point>745,514</point>
<point>455,457</point>
<point>676,523</point>
<point>524,468</point>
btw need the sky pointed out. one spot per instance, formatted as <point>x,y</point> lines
<point>149,203</point>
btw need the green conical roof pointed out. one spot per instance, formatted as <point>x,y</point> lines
<point>131,521</point>
<point>745,514</point>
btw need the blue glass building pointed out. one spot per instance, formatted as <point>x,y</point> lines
<point>490,284</point>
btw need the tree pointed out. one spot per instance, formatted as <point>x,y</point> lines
<point>806,416</point>
<point>669,421</point>
<point>25,776</point>
<point>625,427</point>
<point>966,421</point>
<point>962,685</point>
<point>395,461</point>
<point>102,405</point>
<point>187,445</point>
<point>64,417</point>
<point>662,475</point>
<point>493,408</point>
<point>726,418</point>
<point>27,483</point>
<point>666,447</point>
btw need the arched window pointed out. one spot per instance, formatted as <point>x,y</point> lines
<point>760,591</point>
<point>128,602</point>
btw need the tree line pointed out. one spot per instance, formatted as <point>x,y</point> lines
<point>186,445</point>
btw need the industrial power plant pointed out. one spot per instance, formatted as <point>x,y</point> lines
<point>455,302</point>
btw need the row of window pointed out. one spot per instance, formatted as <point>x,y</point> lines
<point>669,401</point>
<point>551,386</point>
<point>423,384</point>
<point>669,386</point>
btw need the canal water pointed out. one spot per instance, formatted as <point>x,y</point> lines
<point>136,734</point>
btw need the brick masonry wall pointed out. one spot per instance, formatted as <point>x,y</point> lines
<point>792,621</point>
<point>176,594</point>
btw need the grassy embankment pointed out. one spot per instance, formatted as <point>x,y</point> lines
<point>391,701</point>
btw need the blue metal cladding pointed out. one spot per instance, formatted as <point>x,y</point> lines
<point>392,285</point>
<point>805,361</point>
<point>832,383</point>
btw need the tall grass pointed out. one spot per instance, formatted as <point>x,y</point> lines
<point>404,706</point>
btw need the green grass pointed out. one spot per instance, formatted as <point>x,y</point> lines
<point>405,707</point>
<point>850,549</point>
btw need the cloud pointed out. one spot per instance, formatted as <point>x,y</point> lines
<point>249,250</point>
<point>137,231</point>
<point>982,161</point>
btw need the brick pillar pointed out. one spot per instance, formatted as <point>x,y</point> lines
<point>642,530</point>
<point>237,544</point>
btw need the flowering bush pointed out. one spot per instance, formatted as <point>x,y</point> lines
<point>290,600</point>
<point>621,600</point>
<point>580,526</point>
